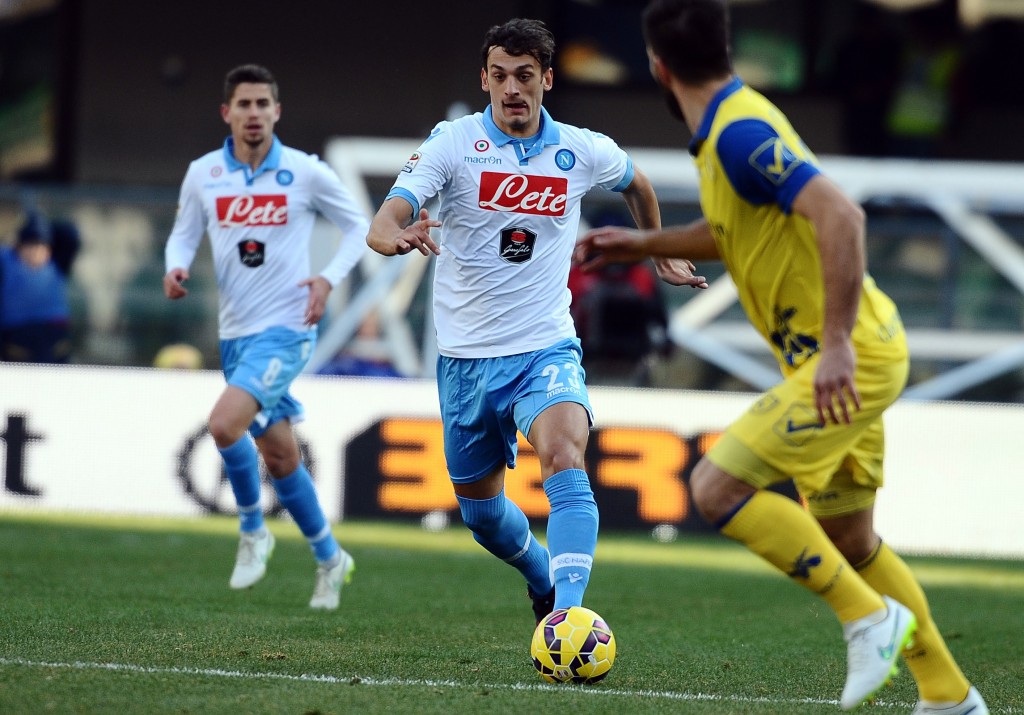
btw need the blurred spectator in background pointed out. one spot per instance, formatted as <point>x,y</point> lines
<point>179,356</point>
<point>864,76</point>
<point>366,355</point>
<point>35,318</point>
<point>924,112</point>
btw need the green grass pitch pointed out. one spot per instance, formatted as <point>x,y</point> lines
<point>117,615</point>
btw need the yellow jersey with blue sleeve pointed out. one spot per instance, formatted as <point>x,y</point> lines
<point>752,164</point>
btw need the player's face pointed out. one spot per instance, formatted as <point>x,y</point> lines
<point>251,114</point>
<point>516,85</point>
<point>660,75</point>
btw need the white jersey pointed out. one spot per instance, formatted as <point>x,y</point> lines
<point>259,224</point>
<point>510,215</point>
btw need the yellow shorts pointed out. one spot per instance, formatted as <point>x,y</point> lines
<point>836,468</point>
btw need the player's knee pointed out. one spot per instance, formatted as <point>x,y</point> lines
<point>224,431</point>
<point>280,465</point>
<point>713,491</point>
<point>856,545</point>
<point>482,522</point>
<point>558,458</point>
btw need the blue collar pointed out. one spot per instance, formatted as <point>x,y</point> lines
<point>548,134</point>
<point>270,163</point>
<point>701,135</point>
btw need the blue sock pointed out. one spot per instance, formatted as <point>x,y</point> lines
<point>298,496</point>
<point>502,528</point>
<point>572,534</point>
<point>242,467</point>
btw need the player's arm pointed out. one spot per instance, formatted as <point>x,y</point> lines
<point>334,201</point>
<point>642,202</point>
<point>393,232</point>
<point>839,226</point>
<point>182,244</point>
<point>602,247</point>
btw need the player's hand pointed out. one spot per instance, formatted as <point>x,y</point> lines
<point>602,247</point>
<point>173,281</point>
<point>417,236</point>
<point>834,389</point>
<point>319,289</point>
<point>679,272</point>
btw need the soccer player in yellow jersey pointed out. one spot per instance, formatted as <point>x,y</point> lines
<point>793,243</point>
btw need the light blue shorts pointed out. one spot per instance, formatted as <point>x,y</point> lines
<point>265,365</point>
<point>484,401</point>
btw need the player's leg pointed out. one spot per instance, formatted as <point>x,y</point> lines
<point>559,435</point>
<point>295,490</point>
<point>780,531</point>
<point>229,419</point>
<point>271,363</point>
<point>779,437</point>
<point>477,450</point>
<point>231,415</point>
<point>786,536</point>
<point>552,408</point>
<point>847,517</point>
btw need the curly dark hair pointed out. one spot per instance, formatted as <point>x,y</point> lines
<point>521,37</point>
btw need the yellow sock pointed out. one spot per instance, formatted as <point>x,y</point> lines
<point>937,674</point>
<point>778,530</point>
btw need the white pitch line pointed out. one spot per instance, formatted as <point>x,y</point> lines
<point>360,680</point>
<point>400,682</point>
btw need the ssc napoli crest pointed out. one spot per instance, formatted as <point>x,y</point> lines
<point>285,177</point>
<point>565,159</point>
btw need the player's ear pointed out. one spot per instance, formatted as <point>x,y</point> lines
<point>549,79</point>
<point>483,80</point>
<point>658,70</point>
<point>225,112</point>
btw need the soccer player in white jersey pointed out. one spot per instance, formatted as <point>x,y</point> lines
<point>257,201</point>
<point>510,181</point>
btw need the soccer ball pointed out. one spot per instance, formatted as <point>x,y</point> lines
<point>573,645</point>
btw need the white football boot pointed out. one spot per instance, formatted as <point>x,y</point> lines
<point>872,647</point>
<point>254,550</point>
<point>327,590</point>
<point>973,704</point>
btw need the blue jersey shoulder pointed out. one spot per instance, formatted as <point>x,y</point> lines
<point>760,165</point>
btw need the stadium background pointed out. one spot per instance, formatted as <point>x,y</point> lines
<point>104,102</point>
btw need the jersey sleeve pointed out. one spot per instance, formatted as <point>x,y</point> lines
<point>761,166</point>
<point>427,171</point>
<point>335,202</point>
<point>189,224</point>
<point>613,169</point>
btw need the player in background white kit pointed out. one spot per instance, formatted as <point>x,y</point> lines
<point>257,201</point>
<point>510,181</point>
